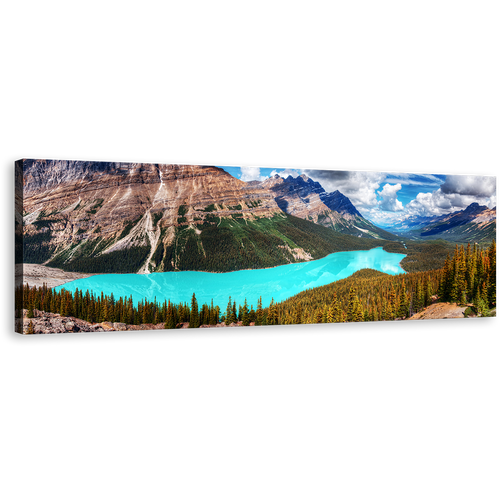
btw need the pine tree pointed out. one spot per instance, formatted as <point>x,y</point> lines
<point>403,301</point>
<point>297,320</point>
<point>337,308</point>
<point>170,320</point>
<point>358,310</point>
<point>330,318</point>
<point>318,317</point>
<point>324,317</point>
<point>272,317</point>
<point>252,315</point>
<point>428,293</point>
<point>211,314</point>
<point>229,311</point>
<point>105,312</point>
<point>62,307</point>
<point>479,304</point>
<point>259,315</point>
<point>234,316</point>
<point>446,279</point>
<point>366,315</point>
<point>492,288</point>
<point>194,320</point>
<point>461,280</point>
<point>352,304</point>
<point>394,306</point>
<point>470,269</point>
<point>245,317</point>
<point>419,296</point>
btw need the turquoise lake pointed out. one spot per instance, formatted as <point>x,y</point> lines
<point>279,282</point>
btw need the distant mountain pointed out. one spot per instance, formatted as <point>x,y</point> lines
<point>305,198</point>
<point>476,223</point>
<point>411,223</point>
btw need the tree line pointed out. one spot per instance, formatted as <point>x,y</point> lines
<point>96,308</point>
<point>368,295</point>
<point>470,276</point>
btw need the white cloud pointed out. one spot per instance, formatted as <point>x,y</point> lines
<point>251,174</point>
<point>359,187</point>
<point>473,185</point>
<point>456,193</point>
<point>414,179</point>
<point>389,195</point>
<point>381,218</point>
<point>285,173</point>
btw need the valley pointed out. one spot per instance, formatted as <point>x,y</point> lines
<point>155,224</point>
<point>475,223</point>
<point>102,217</point>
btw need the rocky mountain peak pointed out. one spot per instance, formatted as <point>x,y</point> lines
<point>475,207</point>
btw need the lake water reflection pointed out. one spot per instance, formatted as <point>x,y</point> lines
<point>279,282</point>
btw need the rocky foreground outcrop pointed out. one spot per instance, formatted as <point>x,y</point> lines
<point>46,323</point>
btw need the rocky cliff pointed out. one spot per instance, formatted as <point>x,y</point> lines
<point>129,217</point>
<point>123,206</point>
<point>305,198</point>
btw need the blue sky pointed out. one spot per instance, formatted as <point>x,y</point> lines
<point>385,197</point>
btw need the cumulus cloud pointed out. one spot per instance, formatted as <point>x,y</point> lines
<point>440,203</point>
<point>471,185</point>
<point>359,187</point>
<point>285,173</point>
<point>456,193</point>
<point>389,195</point>
<point>251,174</point>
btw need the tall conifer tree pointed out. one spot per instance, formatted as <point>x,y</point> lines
<point>259,315</point>
<point>194,320</point>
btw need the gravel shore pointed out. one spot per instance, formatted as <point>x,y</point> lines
<point>37,274</point>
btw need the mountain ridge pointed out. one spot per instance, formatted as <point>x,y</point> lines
<point>305,198</point>
<point>86,216</point>
<point>474,223</point>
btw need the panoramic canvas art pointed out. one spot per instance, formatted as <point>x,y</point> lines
<point>139,246</point>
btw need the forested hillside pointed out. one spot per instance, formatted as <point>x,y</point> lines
<point>368,295</point>
<point>467,277</point>
<point>221,245</point>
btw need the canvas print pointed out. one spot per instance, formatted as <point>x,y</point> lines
<point>137,246</point>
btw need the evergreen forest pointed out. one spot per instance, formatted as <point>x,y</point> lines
<point>467,278</point>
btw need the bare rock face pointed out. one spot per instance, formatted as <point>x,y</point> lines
<point>305,198</point>
<point>102,217</point>
<point>67,205</point>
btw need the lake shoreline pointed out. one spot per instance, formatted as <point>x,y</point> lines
<point>278,283</point>
<point>271,267</point>
<point>38,274</point>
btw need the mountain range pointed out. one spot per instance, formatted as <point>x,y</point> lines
<point>305,198</point>
<point>105,217</point>
<point>138,217</point>
<point>476,223</point>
